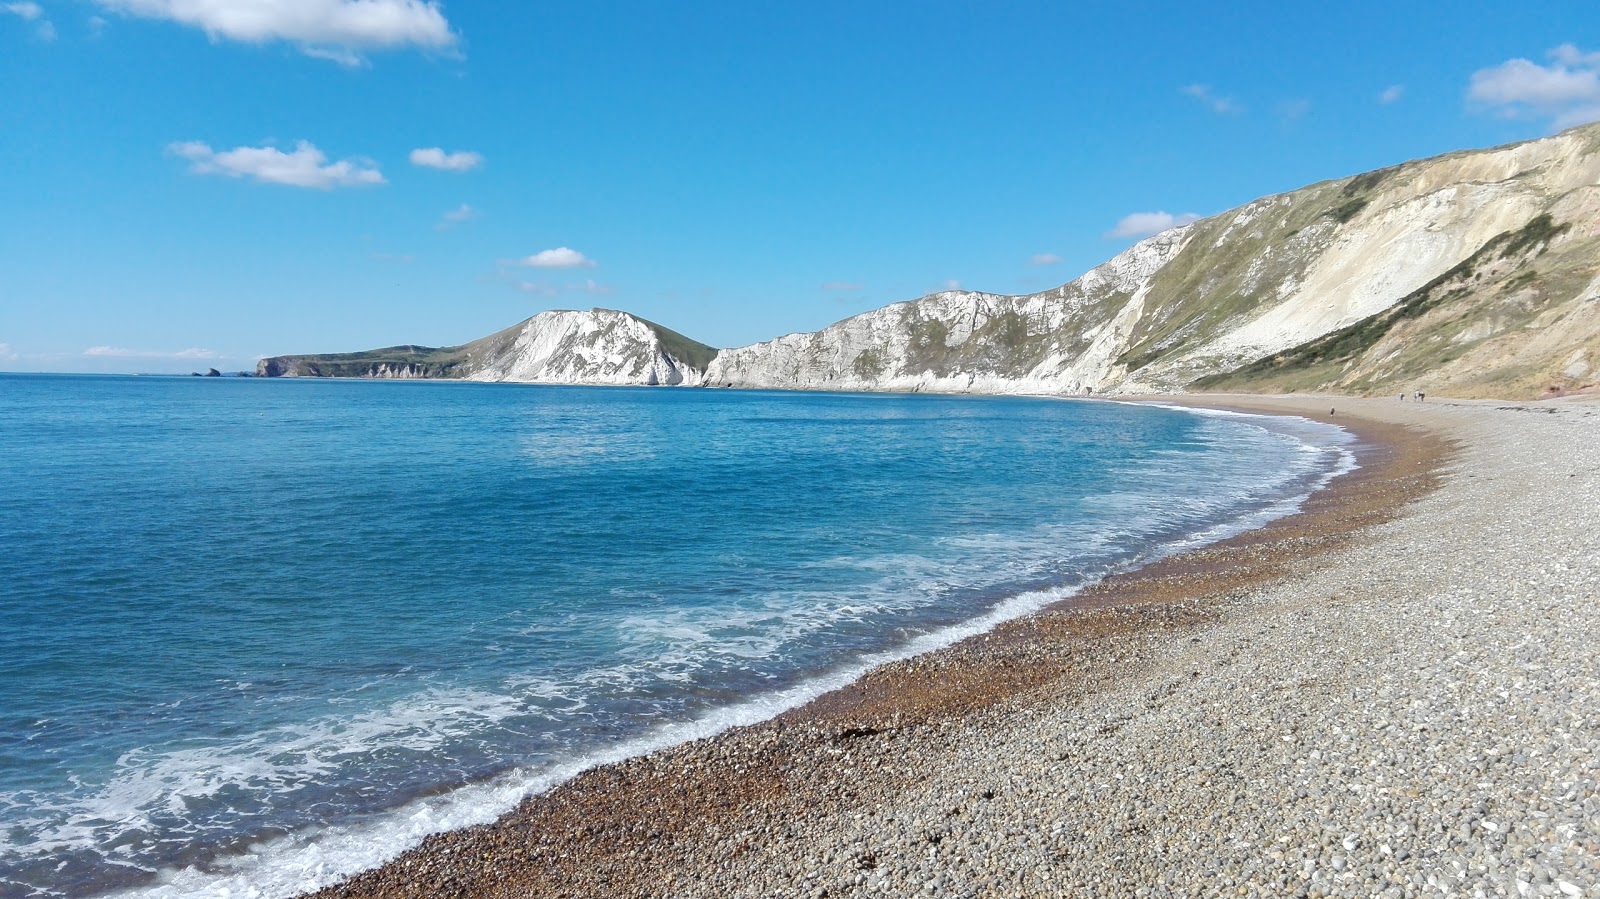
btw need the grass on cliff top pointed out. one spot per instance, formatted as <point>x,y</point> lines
<point>1210,284</point>
<point>688,352</point>
<point>1327,356</point>
<point>423,361</point>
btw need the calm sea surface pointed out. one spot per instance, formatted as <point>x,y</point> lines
<point>255,634</point>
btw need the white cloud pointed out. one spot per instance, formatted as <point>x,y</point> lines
<point>1044,259</point>
<point>590,287</point>
<point>305,167</point>
<point>1392,94</point>
<point>1144,224</point>
<point>330,29</point>
<point>952,284</point>
<point>560,257</point>
<point>456,216</point>
<point>1208,97</point>
<point>436,158</point>
<point>6,353</point>
<point>1567,91</point>
<point>842,285</point>
<point>32,12</point>
<point>1569,55</point>
<point>113,352</point>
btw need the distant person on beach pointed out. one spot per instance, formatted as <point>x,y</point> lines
<point>1402,397</point>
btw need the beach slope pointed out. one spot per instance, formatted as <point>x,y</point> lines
<point>1393,693</point>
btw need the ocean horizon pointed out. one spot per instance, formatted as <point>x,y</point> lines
<point>258,634</point>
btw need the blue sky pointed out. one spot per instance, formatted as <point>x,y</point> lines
<point>194,183</point>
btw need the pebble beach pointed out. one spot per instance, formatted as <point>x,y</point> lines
<point>1395,692</point>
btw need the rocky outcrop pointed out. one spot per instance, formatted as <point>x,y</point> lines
<point>1063,340</point>
<point>1211,298</point>
<point>1475,273</point>
<point>601,346</point>
<point>596,347</point>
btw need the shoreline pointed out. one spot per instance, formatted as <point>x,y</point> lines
<point>621,828</point>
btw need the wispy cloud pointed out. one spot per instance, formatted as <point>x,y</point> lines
<point>437,158</point>
<point>842,285</point>
<point>1567,91</point>
<point>536,288</point>
<point>1392,94</point>
<point>1211,99</point>
<point>1144,224</point>
<point>29,11</point>
<point>113,352</point>
<point>560,257</point>
<point>344,56</point>
<point>1293,110</point>
<point>402,258</point>
<point>546,289</point>
<point>952,284</point>
<point>306,166</point>
<point>6,353</point>
<point>462,213</point>
<point>1044,259</point>
<point>328,29</point>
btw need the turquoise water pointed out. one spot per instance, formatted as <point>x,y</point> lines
<point>266,632</point>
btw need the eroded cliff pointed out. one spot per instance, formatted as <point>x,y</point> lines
<point>1476,273</point>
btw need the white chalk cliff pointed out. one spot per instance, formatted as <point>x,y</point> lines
<point>601,347</point>
<point>1476,271</point>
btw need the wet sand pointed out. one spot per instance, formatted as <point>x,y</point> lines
<point>937,775</point>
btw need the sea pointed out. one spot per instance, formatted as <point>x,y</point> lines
<point>259,634</point>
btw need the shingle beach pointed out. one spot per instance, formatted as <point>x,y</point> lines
<point>1394,693</point>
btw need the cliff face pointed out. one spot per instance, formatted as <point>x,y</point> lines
<point>596,347</point>
<point>1064,339</point>
<point>1211,298</point>
<point>600,346</point>
<point>1474,273</point>
<point>390,362</point>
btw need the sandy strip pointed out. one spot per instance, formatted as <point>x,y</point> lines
<point>1396,692</point>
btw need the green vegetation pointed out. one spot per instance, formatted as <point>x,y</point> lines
<point>869,364</point>
<point>1538,232</point>
<point>1354,192</point>
<point>1230,266</point>
<point>1008,329</point>
<point>1346,211</point>
<point>688,352</point>
<point>1333,350</point>
<point>926,350</point>
<point>418,361</point>
<point>1522,280</point>
<point>452,362</point>
<point>1365,183</point>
